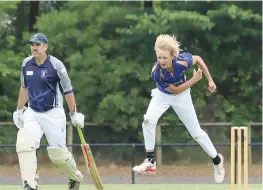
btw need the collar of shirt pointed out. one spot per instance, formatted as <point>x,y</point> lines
<point>168,73</point>
<point>43,64</point>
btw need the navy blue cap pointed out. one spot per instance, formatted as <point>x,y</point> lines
<point>38,38</point>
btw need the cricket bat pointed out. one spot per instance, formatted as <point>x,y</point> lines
<point>90,162</point>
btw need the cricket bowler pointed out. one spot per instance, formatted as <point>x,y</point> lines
<point>174,90</point>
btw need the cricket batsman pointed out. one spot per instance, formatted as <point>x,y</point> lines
<point>174,90</point>
<point>44,82</point>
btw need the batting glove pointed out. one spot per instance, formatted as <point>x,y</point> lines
<point>18,117</point>
<point>77,119</point>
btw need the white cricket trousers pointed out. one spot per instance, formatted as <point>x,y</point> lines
<point>51,123</point>
<point>184,108</point>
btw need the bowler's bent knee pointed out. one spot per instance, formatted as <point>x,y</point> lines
<point>149,130</point>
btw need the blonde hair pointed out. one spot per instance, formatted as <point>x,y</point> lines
<point>167,42</point>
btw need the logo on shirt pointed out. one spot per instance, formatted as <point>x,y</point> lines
<point>29,72</point>
<point>182,73</point>
<point>43,74</point>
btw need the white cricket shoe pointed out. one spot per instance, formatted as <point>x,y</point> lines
<point>145,168</point>
<point>219,170</point>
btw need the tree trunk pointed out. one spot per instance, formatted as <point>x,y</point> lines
<point>33,13</point>
<point>21,21</point>
<point>148,4</point>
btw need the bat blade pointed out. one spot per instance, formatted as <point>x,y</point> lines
<point>91,166</point>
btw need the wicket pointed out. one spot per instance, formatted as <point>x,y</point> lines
<point>237,131</point>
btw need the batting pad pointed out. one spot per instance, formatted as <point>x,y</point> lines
<point>65,161</point>
<point>26,151</point>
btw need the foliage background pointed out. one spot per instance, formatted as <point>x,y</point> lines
<point>108,50</point>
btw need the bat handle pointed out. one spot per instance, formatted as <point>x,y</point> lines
<point>82,139</point>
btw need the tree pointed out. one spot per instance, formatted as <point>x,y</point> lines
<point>9,67</point>
<point>33,13</point>
<point>148,4</point>
<point>108,50</point>
<point>102,77</point>
<point>208,35</point>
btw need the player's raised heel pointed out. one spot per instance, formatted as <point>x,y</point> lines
<point>73,185</point>
<point>145,168</point>
<point>27,187</point>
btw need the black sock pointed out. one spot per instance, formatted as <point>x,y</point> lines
<point>216,160</point>
<point>150,156</point>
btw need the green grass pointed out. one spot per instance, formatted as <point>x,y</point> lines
<point>139,187</point>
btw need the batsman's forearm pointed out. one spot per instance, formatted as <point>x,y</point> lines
<point>182,87</point>
<point>70,99</point>
<point>22,98</point>
<point>205,70</point>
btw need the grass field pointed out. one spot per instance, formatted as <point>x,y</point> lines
<point>139,187</point>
